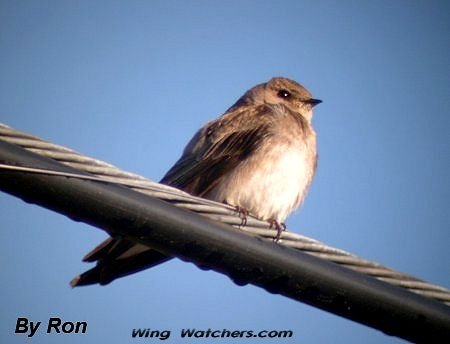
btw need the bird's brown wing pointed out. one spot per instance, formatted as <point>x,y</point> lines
<point>210,155</point>
<point>198,174</point>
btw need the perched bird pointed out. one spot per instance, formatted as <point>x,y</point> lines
<point>259,156</point>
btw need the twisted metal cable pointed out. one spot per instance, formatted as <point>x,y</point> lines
<point>101,171</point>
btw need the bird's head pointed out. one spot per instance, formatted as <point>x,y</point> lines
<point>280,91</point>
<point>291,94</point>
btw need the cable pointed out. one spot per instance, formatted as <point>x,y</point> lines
<point>210,244</point>
<point>102,171</point>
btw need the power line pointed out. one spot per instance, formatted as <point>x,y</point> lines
<point>216,211</point>
<point>244,258</point>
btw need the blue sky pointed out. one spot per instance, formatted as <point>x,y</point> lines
<point>130,82</point>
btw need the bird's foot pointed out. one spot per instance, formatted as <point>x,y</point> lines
<point>279,227</point>
<point>243,213</point>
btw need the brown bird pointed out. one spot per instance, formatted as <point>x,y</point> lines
<point>259,156</point>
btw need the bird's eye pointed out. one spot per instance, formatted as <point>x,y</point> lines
<point>284,94</point>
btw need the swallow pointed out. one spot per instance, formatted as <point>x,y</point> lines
<point>260,156</point>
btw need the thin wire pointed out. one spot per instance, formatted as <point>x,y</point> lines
<point>104,172</point>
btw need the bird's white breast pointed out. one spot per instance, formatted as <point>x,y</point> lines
<point>272,182</point>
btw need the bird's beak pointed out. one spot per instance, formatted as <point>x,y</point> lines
<point>313,101</point>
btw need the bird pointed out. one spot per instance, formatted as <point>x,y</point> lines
<point>260,156</point>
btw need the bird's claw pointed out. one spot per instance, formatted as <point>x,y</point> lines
<point>279,227</point>
<point>243,213</point>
